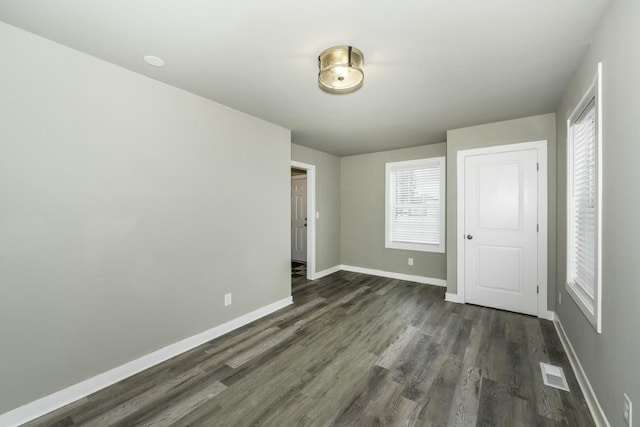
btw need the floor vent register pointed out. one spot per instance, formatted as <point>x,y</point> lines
<point>553,376</point>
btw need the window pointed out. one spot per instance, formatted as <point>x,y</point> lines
<point>584,212</point>
<point>414,214</point>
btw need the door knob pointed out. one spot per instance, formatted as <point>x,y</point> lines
<point>469,236</point>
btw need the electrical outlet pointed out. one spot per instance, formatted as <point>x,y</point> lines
<point>559,298</point>
<point>410,261</point>
<point>227,299</point>
<point>627,410</point>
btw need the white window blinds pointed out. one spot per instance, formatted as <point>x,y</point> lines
<point>584,200</point>
<point>584,210</point>
<point>415,205</point>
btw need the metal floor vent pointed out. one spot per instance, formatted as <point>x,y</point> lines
<point>553,376</point>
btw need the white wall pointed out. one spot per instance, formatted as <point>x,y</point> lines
<point>122,222</point>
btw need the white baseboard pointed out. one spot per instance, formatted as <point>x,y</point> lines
<point>592,400</point>
<point>77,391</point>
<point>450,297</point>
<point>548,315</point>
<point>457,298</point>
<point>323,273</point>
<point>392,275</point>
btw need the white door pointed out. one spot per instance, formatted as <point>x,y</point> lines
<point>299,218</point>
<point>500,223</point>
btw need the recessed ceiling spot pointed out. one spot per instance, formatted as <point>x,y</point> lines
<point>154,60</point>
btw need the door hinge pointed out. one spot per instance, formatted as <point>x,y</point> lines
<point>537,166</point>
<point>537,228</point>
<point>537,289</point>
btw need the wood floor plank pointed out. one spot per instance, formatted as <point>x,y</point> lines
<point>170,415</point>
<point>495,359</point>
<point>143,401</point>
<point>439,398</point>
<point>493,409</point>
<point>59,418</point>
<point>335,390</point>
<point>548,401</point>
<point>376,381</point>
<point>383,290</point>
<point>389,408</point>
<point>294,410</point>
<point>466,398</point>
<point>392,353</point>
<point>464,408</point>
<point>518,360</point>
<point>223,352</point>
<point>253,397</point>
<point>575,410</point>
<point>266,344</point>
<point>352,350</point>
<point>410,363</point>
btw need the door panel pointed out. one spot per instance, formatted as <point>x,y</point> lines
<point>500,268</point>
<point>499,186</point>
<point>299,218</point>
<point>500,218</point>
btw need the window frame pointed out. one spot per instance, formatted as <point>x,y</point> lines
<point>590,307</point>
<point>390,167</point>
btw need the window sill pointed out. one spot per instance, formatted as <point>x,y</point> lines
<point>585,304</point>
<point>415,247</point>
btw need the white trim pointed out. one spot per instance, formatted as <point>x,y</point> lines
<point>328,271</point>
<point>311,216</point>
<point>392,275</point>
<point>426,162</point>
<point>460,228</point>
<point>381,273</point>
<point>548,315</point>
<point>450,297</point>
<point>599,417</point>
<point>82,389</point>
<point>543,231</point>
<point>541,147</point>
<point>590,307</point>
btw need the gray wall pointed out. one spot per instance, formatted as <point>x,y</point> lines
<point>123,219</point>
<point>610,359</point>
<point>527,129</point>
<point>327,203</point>
<point>362,218</point>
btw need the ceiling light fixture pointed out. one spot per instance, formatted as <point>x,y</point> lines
<point>340,69</point>
<point>154,60</point>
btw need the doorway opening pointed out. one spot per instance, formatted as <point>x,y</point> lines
<point>302,220</point>
<point>298,223</point>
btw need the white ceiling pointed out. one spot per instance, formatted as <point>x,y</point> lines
<point>430,65</point>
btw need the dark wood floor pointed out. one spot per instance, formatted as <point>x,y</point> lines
<point>353,350</point>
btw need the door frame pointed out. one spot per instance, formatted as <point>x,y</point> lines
<point>541,147</point>
<point>311,216</point>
